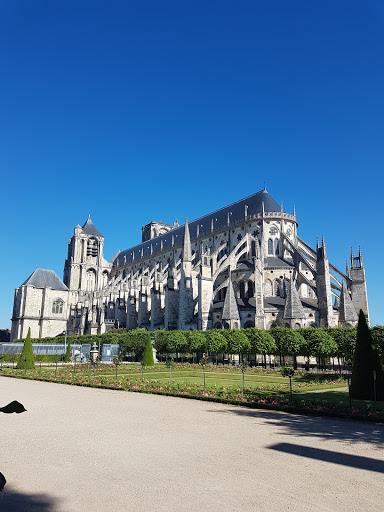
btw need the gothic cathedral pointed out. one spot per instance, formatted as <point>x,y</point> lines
<point>241,266</point>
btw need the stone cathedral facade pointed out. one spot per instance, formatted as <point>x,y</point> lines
<point>241,266</point>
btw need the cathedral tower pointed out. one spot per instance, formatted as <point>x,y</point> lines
<point>85,268</point>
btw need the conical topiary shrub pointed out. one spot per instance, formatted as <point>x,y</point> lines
<point>67,356</point>
<point>148,354</point>
<point>26,354</point>
<point>365,362</point>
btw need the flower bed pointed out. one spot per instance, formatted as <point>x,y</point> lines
<point>260,398</point>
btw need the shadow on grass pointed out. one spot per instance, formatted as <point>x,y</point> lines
<point>310,426</point>
<point>12,501</point>
<point>337,396</point>
<point>344,459</point>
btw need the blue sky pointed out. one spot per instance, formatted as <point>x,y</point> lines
<point>140,111</point>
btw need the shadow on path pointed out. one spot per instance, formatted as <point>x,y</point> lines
<point>353,461</point>
<point>326,428</point>
<point>12,501</point>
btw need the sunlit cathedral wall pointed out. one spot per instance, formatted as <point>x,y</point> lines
<point>241,266</point>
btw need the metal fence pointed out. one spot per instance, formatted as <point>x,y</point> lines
<point>47,349</point>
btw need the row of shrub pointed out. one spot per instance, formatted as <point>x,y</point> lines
<point>281,341</point>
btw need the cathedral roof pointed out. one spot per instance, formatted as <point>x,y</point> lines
<point>90,229</point>
<point>208,224</point>
<point>42,278</point>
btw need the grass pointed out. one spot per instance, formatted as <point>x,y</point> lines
<point>340,397</point>
<point>316,394</point>
<point>255,379</point>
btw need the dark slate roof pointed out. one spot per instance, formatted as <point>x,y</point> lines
<point>42,278</point>
<point>236,213</point>
<point>273,301</point>
<point>90,229</point>
<point>273,261</point>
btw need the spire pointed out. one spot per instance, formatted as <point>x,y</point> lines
<point>323,246</point>
<point>187,252</point>
<point>294,211</point>
<point>347,268</point>
<point>293,308</point>
<point>90,229</point>
<point>230,309</point>
<point>281,207</point>
<point>352,259</point>
<point>347,313</point>
<point>317,243</point>
<point>360,257</point>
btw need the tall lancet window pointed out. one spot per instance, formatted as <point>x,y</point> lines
<point>270,246</point>
<point>91,280</point>
<point>277,245</point>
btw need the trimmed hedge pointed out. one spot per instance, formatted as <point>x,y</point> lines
<point>366,366</point>
<point>148,354</point>
<point>321,342</point>
<point>26,358</point>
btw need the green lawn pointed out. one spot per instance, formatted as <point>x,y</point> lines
<point>264,382</point>
<point>339,397</point>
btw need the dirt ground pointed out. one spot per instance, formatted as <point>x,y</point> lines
<point>82,449</point>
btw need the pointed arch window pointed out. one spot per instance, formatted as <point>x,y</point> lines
<point>270,246</point>
<point>250,289</point>
<point>277,247</point>
<point>276,288</point>
<point>91,280</point>
<point>57,306</point>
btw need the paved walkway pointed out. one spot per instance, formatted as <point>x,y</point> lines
<point>81,449</point>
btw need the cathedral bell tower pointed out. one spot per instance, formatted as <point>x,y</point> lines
<point>86,269</point>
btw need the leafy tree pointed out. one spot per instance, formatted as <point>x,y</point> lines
<point>217,342</point>
<point>176,342</point>
<point>262,342</point>
<point>345,339</point>
<point>148,354</point>
<point>161,342</point>
<point>197,341</point>
<point>26,354</point>
<point>238,343</point>
<point>319,344</point>
<point>378,339</point>
<point>366,361</point>
<point>134,342</point>
<point>289,342</point>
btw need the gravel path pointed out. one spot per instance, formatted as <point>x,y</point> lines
<point>82,449</point>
